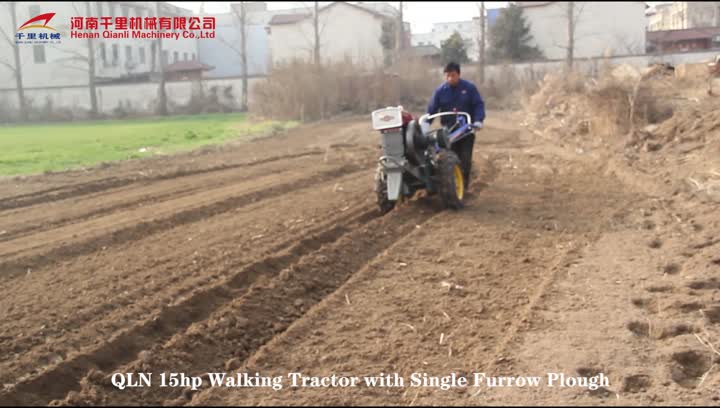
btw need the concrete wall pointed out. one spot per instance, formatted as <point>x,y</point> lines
<point>603,28</point>
<point>346,32</point>
<point>135,97</point>
<point>591,66</point>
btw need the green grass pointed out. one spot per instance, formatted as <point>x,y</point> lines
<point>29,149</point>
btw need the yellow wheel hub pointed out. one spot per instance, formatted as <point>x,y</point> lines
<point>459,182</point>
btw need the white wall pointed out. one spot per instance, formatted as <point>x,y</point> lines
<point>537,70</point>
<point>138,97</point>
<point>603,28</point>
<point>346,31</point>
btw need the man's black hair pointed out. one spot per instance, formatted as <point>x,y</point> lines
<point>452,67</point>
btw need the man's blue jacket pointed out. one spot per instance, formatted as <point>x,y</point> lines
<point>464,96</point>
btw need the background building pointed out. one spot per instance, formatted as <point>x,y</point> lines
<point>682,15</point>
<point>602,28</point>
<point>347,32</point>
<point>65,64</point>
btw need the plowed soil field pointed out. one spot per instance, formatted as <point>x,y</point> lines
<point>270,257</point>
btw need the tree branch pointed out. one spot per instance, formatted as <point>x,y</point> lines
<point>10,67</point>
<point>7,37</point>
<point>230,45</point>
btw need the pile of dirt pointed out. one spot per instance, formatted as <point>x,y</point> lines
<point>650,121</point>
<point>593,112</point>
<point>694,122</point>
<point>686,148</point>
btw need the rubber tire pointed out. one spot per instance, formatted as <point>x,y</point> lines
<point>446,162</point>
<point>384,204</point>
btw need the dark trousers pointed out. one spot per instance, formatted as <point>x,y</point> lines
<point>464,150</point>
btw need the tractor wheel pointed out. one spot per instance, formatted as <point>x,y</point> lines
<point>451,183</point>
<point>384,204</point>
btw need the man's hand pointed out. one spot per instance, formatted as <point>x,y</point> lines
<point>478,125</point>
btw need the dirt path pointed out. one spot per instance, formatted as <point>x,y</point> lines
<point>270,257</point>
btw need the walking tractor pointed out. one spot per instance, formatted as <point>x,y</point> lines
<point>414,157</point>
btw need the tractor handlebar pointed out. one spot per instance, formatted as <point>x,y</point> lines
<point>427,117</point>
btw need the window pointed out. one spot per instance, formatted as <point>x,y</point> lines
<point>141,53</point>
<point>193,56</point>
<point>39,54</point>
<point>125,11</point>
<point>34,11</point>
<point>165,57</point>
<point>99,9</point>
<point>128,53</point>
<point>175,56</point>
<point>116,55</point>
<point>185,56</point>
<point>138,12</point>
<point>103,54</point>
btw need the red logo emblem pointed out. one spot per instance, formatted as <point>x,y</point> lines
<point>42,17</point>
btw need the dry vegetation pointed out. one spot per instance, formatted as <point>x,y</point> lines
<point>303,91</point>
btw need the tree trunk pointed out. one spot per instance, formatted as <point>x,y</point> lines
<point>91,70</point>
<point>571,36</point>
<point>243,57</point>
<point>18,70</point>
<point>316,25</point>
<point>162,95</point>
<point>400,29</point>
<point>481,46</point>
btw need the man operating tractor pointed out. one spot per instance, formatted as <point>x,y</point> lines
<point>459,95</point>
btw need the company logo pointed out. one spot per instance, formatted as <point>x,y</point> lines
<point>387,118</point>
<point>23,36</point>
<point>46,17</point>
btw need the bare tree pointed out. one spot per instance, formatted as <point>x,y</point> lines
<point>243,22</point>
<point>316,29</point>
<point>481,45</point>
<point>162,94</point>
<point>87,59</point>
<point>243,57</point>
<point>400,32</point>
<point>15,67</point>
<point>91,70</point>
<point>628,45</point>
<point>571,35</point>
<point>314,41</point>
<point>572,17</point>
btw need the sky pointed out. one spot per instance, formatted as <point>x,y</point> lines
<point>420,15</point>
